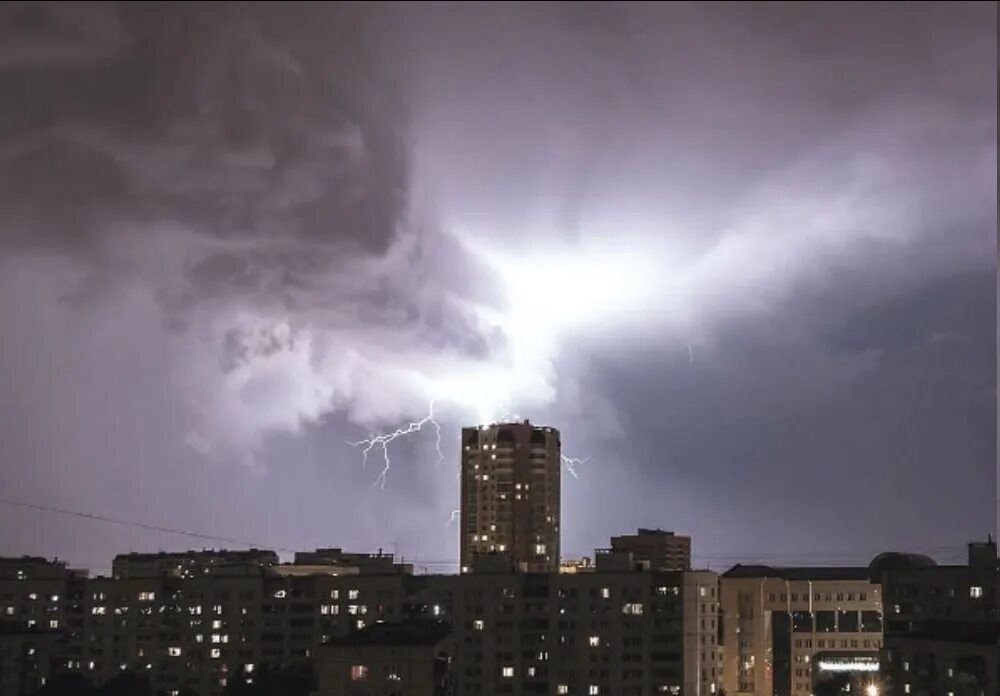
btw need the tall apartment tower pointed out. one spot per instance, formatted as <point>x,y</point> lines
<point>510,497</point>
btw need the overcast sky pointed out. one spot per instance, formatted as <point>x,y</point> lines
<point>743,256</point>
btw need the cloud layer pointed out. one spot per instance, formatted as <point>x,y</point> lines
<point>269,228</point>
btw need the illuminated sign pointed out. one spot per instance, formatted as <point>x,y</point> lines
<point>848,666</point>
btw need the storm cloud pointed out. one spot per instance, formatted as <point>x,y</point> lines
<point>739,254</point>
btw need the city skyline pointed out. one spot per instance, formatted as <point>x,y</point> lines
<point>743,258</point>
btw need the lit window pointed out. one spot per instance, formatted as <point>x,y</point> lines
<point>334,594</point>
<point>478,625</point>
<point>906,688</point>
<point>53,623</point>
<point>595,641</point>
<point>539,549</point>
<point>976,592</point>
<point>633,608</point>
<point>507,672</point>
<point>562,689</point>
<point>174,652</point>
<point>359,672</point>
<point>98,611</point>
<point>593,690</point>
<point>531,671</point>
<point>147,596</point>
<point>352,594</point>
<point>216,624</point>
<point>606,592</point>
<point>280,594</point>
<point>701,591</point>
<point>248,668</point>
<point>216,653</point>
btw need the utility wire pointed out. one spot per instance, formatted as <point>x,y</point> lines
<point>138,525</point>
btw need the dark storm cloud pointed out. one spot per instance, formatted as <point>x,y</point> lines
<point>239,123</point>
<point>301,191</point>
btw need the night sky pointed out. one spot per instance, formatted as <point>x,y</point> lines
<point>743,256</point>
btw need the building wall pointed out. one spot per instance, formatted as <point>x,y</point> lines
<point>621,632</point>
<point>387,671</point>
<point>773,627</point>
<point>510,495</point>
<point>588,633</point>
<point>942,628</point>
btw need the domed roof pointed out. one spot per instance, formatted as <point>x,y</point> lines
<point>893,560</point>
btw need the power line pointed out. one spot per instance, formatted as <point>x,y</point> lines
<point>137,525</point>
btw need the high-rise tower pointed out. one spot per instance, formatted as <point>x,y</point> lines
<point>510,495</point>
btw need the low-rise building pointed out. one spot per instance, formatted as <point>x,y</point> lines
<point>777,620</point>
<point>662,550</point>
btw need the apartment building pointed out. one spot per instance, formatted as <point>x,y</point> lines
<point>942,632</point>
<point>776,621</point>
<point>616,630</point>
<point>620,629</point>
<point>510,492</point>
<point>661,549</point>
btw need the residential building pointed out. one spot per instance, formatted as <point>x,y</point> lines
<point>942,631</point>
<point>617,629</point>
<point>28,658</point>
<point>510,492</point>
<point>777,620</point>
<point>662,550</point>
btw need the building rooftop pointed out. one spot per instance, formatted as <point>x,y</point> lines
<point>799,573</point>
<point>893,560</point>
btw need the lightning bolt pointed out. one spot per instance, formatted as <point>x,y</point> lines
<point>571,462</point>
<point>453,518</point>
<point>382,440</point>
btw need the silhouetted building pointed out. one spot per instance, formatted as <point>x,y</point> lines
<point>777,620</point>
<point>942,632</point>
<point>614,630</point>
<point>188,564</point>
<point>661,549</point>
<point>387,660</point>
<point>595,633</point>
<point>510,495</point>
<point>28,658</point>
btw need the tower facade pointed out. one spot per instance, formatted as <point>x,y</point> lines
<point>510,496</point>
